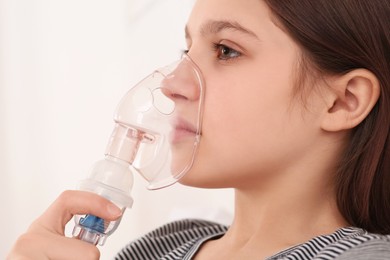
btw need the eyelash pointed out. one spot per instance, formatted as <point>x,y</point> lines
<point>221,50</point>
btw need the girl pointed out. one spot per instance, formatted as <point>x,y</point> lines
<point>296,120</point>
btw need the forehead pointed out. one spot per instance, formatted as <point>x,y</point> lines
<point>252,15</point>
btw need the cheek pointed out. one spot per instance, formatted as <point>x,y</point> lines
<point>243,109</point>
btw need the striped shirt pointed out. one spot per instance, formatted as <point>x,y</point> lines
<point>182,239</point>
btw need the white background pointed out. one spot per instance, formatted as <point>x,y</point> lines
<point>64,65</point>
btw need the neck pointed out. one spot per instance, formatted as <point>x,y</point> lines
<point>275,216</point>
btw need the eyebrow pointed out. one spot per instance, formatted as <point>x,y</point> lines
<point>213,27</point>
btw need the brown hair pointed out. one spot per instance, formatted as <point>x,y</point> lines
<point>338,36</point>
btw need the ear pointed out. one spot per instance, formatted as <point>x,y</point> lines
<point>351,98</point>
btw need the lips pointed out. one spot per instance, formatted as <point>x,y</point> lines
<point>182,130</point>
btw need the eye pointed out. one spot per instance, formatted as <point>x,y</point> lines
<point>225,53</point>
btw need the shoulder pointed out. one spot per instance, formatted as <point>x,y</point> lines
<point>368,246</point>
<point>172,239</point>
<point>360,246</point>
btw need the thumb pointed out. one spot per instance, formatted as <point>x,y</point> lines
<point>70,203</point>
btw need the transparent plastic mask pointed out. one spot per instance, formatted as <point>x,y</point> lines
<point>158,123</point>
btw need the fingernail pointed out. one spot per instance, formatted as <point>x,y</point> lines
<point>113,210</point>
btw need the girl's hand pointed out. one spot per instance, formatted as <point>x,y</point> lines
<point>45,237</point>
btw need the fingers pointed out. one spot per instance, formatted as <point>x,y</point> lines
<point>45,238</point>
<point>70,203</point>
<point>52,246</point>
<point>79,250</point>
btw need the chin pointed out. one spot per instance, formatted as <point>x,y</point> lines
<point>192,179</point>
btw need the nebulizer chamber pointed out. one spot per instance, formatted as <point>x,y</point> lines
<point>156,134</point>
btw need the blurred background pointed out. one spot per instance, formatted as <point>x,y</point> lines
<point>64,65</point>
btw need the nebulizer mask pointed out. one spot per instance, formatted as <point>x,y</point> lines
<point>156,134</point>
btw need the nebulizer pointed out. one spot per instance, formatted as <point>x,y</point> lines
<point>156,134</point>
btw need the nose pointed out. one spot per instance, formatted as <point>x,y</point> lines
<point>184,82</point>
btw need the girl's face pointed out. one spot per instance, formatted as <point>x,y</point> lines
<point>253,126</point>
